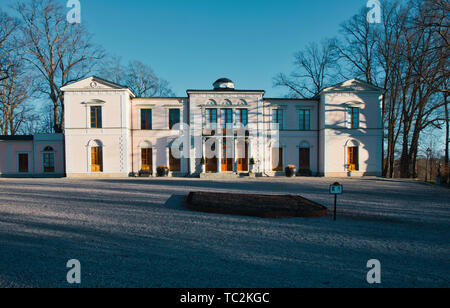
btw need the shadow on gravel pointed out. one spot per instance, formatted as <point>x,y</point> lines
<point>175,202</point>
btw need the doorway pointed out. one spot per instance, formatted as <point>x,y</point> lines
<point>277,159</point>
<point>23,163</point>
<point>242,154</point>
<point>353,158</point>
<point>210,158</point>
<point>304,159</point>
<point>96,159</point>
<point>227,157</point>
<point>147,159</point>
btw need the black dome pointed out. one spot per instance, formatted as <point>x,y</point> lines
<point>223,80</point>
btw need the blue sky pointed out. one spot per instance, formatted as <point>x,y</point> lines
<point>192,43</point>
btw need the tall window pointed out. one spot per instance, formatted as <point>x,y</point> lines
<point>304,119</point>
<point>354,117</point>
<point>146,119</point>
<point>146,159</point>
<point>49,160</point>
<point>96,117</point>
<point>211,118</point>
<point>174,117</point>
<point>96,159</point>
<point>353,158</point>
<point>277,119</point>
<point>242,117</point>
<point>227,118</point>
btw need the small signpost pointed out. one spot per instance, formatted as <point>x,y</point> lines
<point>336,189</point>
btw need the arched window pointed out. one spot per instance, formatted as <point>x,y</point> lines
<point>352,153</point>
<point>96,155</point>
<point>242,102</point>
<point>145,144</point>
<point>227,102</point>
<point>48,160</point>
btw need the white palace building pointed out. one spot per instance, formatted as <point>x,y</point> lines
<point>219,132</point>
<point>223,131</point>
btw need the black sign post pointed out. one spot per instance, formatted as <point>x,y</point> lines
<point>336,189</point>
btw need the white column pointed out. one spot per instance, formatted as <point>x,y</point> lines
<point>167,157</point>
<point>204,154</point>
<point>154,162</point>
<point>235,155</point>
<point>250,154</point>
<point>219,155</point>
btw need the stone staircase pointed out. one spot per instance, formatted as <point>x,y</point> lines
<point>224,176</point>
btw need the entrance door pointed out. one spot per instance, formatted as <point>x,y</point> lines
<point>242,161</point>
<point>304,159</point>
<point>174,163</point>
<point>96,159</point>
<point>146,159</point>
<point>277,159</point>
<point>227,162</point>
<point>353,158</point>
<point>211,160</point>
<point>23,163</point>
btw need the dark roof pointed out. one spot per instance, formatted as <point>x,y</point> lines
<point>107,81</point>
<point>16,138</point>
<point>223,80</point>
<point>160,97</point>
<point>290,99</point>
<point>224,90</point>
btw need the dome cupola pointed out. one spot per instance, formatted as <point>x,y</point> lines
<point>223,84</point>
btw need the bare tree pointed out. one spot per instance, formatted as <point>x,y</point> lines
<point>14,93</point>
<point>60,53</point>
<point>313,70</point>
<point>8,28</point>
<point>358,47</point>
<point>425,54</point>
<point>139,77</point>
<point>113,70</point>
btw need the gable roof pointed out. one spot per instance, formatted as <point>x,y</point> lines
<point>353,85</point>
<point>95,83</point>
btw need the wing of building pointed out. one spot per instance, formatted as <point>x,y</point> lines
<point>223,130</point>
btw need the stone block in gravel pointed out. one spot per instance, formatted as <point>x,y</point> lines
<point>265,206</point>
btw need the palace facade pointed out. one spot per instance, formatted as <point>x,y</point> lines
<point>109,132</point>
<point>217,132</point>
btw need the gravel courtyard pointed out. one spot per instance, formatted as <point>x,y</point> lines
<point>135,233</point>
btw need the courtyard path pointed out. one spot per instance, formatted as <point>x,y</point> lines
<point>135,233</point>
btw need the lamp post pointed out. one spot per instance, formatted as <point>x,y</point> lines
<point>428,159</point>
